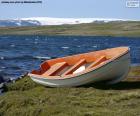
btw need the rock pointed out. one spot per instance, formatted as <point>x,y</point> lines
<point>2,79</point>
<point>1,85</point>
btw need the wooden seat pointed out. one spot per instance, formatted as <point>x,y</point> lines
<point>97,62</point>
<point>44,67</point>
<point>55,69</point>
<point>74,67</point>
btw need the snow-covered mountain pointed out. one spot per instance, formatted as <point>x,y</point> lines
<point>19,22</point>
<point>36,21</point>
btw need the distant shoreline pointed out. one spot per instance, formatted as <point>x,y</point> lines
<point>113,29</point>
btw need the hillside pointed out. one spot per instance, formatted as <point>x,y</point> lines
<point>123,28</point>
<point>41,21</point>
<point>26,98</point>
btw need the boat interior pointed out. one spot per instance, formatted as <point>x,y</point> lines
<point>78,63</point>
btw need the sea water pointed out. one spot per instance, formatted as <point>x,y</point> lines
<point>21,54</point>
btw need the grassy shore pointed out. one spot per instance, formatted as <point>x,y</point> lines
<point>26,98</point>
<point>131,28</point>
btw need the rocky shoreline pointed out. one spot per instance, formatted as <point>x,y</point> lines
<point>5,81</point>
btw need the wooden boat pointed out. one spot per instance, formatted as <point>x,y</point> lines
<point>110,65</point>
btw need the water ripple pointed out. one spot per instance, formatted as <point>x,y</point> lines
<point>27,52</point>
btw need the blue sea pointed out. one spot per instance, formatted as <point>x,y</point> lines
<point>21,54</point>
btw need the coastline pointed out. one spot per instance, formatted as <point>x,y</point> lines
<point>114,29</point>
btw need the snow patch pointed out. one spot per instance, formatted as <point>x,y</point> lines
<point>62,21</point>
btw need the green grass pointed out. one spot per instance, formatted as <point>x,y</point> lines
<point>26,98</point>
<point>131,28</point>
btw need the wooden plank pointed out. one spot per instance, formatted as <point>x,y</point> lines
<point>97,62</point>
<point>55,69</point>
<point>74,67</point>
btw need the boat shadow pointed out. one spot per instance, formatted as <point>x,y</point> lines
<point>125,85</point>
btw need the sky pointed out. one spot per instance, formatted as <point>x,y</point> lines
<point>70,9</point>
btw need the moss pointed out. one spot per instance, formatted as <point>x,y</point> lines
<point>135,71</point>
<point>23,84</point>
<point>26,98</point>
